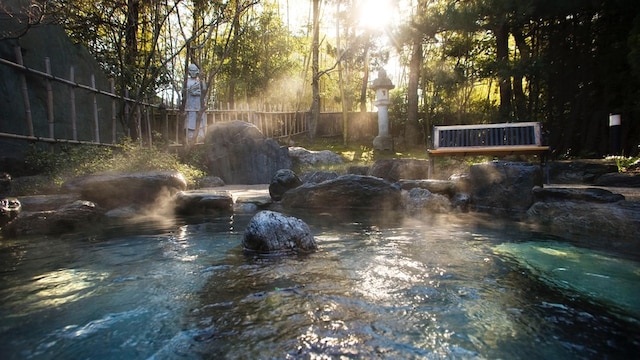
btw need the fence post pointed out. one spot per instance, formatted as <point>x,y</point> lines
<point>95,109</point>
<point>165,118</point>
<point>72,101</point>
<point>25,91</point>
<point>148,111</point>
<point>112,86</point>
<point>138,120</point>
<point>127,109</point>
<point>47,66</point>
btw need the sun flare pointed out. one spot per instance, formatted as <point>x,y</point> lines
<point>375,13</point>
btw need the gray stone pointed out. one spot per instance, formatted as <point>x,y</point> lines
<point>302,157</point>
<point>47,202</point>
<point>619,180</point>
<point>444,187</point>
<point>461,201</point>
<point>358,170</point>
<point>210,182</point>
<point>614,225</point>
<point>67,219</point>
<point>123,213</point>
<point>202,201</point>
<point>318,176</point>
<point>395,169</point>
<point>345,192</point>
<point>114,190</point>
<point>503,187</point>
<point>271,233</point>
<point>282,181</point>
<point>239,153</point>
<point>586,194</point>
<point>579,171</point>
<point>419,200</point>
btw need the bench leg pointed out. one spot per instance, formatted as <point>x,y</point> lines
<point>544,166</point>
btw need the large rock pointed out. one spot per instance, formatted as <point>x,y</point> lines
<point>66,219</point>
<point>419,200</point>
<point>345,192</point>
<point>47,202</point>
<point>239,153</point>
<point>576,194</point>
<point>270,232</point>
<point>503,187</point>
<point>202,201</point>
<point>579,171</point>
<point>615,226</point>
<point>117,190</point>
<point>619,180</point>
<point>318,176</point>
<point>302,157</point>
<point>395,169</point>
<point>444,187</point>
<point>282,181</point>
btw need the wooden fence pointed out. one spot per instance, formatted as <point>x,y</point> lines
<point>124,115</point>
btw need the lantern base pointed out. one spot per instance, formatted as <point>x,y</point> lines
<point>383,142</point>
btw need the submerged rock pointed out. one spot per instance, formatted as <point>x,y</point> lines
<point>595,276</point>
<point>271,232</point>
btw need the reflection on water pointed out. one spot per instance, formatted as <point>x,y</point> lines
<point>398,288</point>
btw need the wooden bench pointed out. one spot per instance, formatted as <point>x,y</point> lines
<point>488,139</point>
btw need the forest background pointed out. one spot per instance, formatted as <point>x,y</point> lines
<point>568,64</point>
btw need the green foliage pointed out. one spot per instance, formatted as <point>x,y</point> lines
<point>73,161</point>
<point>398,110</point>
<point>625,163</point>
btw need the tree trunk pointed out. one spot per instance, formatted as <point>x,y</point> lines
<point>412,133</point>
<point>315,69</point>
<point>518,78</point>
<point>233,57</point>
<point>131,51</point>
<point>365,80</point>
<point>504,75</point>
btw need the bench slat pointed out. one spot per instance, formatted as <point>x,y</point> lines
<point>512,134</point>
<point>489,150</point>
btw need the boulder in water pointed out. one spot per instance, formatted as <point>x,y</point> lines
<point>270,232</point>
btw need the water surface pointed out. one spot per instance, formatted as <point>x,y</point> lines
<point>378,288</point>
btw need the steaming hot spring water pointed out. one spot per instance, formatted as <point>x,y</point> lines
<point>388,287</point>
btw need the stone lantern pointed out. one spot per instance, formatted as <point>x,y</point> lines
<point>382,85</point>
